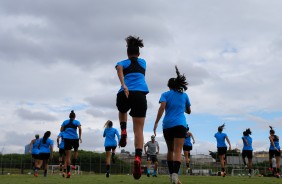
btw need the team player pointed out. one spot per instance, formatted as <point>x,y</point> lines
<point>247,150</point>
<point>110,144</point>
<point>45,153</point>
<point>71,140</point>
<point>274,150</point>
<point>222,147</point>
<point>62,153</point>
<point>175,103</point>
<point>33,149</point>
<point>132,96</point>
<point>153,150</point>
<point>187,147</point>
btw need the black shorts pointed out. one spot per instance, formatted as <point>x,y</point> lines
<point>35,156</point>
<point>62,152</point>
<point>136,102</point>
<point>187,148</point>
<point>152,158</point>
<point>109,148</point>
<point>44,156</point>
<point>274,153</point>
<point>221,150</point>
<point>174,132</point>
<point>71,143</point>
<point>247,153</point>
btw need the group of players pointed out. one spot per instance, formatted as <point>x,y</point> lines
<point>131,98</point>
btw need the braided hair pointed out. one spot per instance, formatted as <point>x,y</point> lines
<point>271,130</point>
<point>133,44</point>
<point>179,83</point>
<point>45,137</point>
<point>220,128</point>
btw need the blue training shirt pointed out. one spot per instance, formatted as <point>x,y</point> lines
<point>70,132</point>
<point>110,134</point>
<point>62,144</point>
<point>249,140</point>
<point>187,141</point>
<point>176,104</point>
<point>45,148</point>
<point>276,143</point>
<point>35,149</point>
<point>134,81</point>
<point>220,138</point>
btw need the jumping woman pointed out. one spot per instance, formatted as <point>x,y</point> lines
<point>187,147</point>
<point>175,103</point>
<point>33,149</point>
<point>132,96</point>
<point>274,150</point>
<point>247,150</point>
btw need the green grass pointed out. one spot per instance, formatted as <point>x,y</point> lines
<point>125,179</point>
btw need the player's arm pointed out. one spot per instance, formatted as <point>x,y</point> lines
<point>159,115</point>
<point>145,148</point>
<point>192,138</point>
<point>30,145</point>
<point>80,133</point>
<point>188,110</point>
<point>121,79</point>
<point>228,142</point>
<point>158,149</point>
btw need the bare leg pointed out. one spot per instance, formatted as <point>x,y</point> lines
<point>138,126</point>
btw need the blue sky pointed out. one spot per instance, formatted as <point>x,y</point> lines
<point>58,56</point>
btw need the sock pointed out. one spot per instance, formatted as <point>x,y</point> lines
<point>250,171</point>
<point>108,168</point>
<point>176,166</point>
<point>148,171</point>
<point>113,154</point>
<point>122,125</point>
<point>170,166</point>
<point>68,168</point>
<point>74,161</point>
<point>36,169</point>
<point>223,169</point>
<point>187,164</point>
<point>138,152</point>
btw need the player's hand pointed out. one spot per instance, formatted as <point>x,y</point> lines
<point>80,140</point>
<point>193,142</point>
<point>155,129</point>
<point>126,92</point>
<point>229,148</point>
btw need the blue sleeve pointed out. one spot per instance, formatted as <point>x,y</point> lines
<point>188,104</point>
<point>163,98</point>
<point>104,134</point>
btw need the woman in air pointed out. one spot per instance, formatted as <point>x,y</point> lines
<point>33,149</point>
<point>175,103</point>
<point>274,150</point>
<point>110,144</point>
<point>187,147</point>
<point>132,96</point>
<point>222,147</point>
<point>45,153</point>
<point>247,150</point>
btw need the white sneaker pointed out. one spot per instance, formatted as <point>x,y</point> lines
<point>175,179</point>
<point>249,174</point>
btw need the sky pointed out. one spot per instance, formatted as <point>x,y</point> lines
<point>58,56</point>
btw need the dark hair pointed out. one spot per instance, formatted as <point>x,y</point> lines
<point>220,128</point>
<point>45,137</point>
<point>179,83</point>
<point>247,132</point>
<point>271,130</point>
<point>108,124</point>
<point>72,115</point>
<point>133,44</point>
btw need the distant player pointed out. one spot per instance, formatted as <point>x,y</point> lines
<point>62,152</point>
<point>153,150</point>
<point>274,150</point>
<point>33,149</point>
<point>71,139</point>
<point>110,144</point>
<point>45,153</point>
<point>222,147</point>
<point>247,150</point>
<point>187,147</point>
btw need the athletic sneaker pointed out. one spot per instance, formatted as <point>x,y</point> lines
<point>154,174</point>
<point>277,175</point>
<point>174,178</point>
<point>107,174</point>
<point>137,168</point>
<point>69,175</point>
<point>249,174</point>
<point>36,173</point>
<point>270,169</point>
<point>223,174</point>
<point>45,174</point>
<point>122,142</point>
<point>187,170</point>
<point>148,172</point>
<point>246,166</point>
<point>64,174</point>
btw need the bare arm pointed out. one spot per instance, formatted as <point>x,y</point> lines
<point>246,142</point>
<point>58,141</point>
<point>80,133</point>
<point>62,129</point>
<point>30,145</point>
<point>228,142</point>
<point>159,115</point>
<point>192,137</point>
<point>121,79</point>
<point>145,146</point>
<point>188,110</point>
<point>272,142</point>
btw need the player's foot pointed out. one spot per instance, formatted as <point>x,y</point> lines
<point>73,167</point>
<point>246,166</point>
<point>175,179</point>
<point>270,169</point>
<point>45,174</point>
<point>68,175</point>
<point>64,174</point>
<point>36,173</point>
<point>137,168</point>
<point>154,175</point>
<point>277,175</point>
<point>187,170</point>
<point>107,174</point>
<point>223,174</point>
<point>249,174</point>
<point>122,142</point>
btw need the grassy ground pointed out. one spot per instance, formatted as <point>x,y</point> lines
<point>125,179</point>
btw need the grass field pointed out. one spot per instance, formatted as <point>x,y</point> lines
<point>125,179</point>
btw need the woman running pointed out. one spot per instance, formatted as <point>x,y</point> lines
<point>187,147</point>
<point>110,144</point>
<point>71,140</point>
<point>274,150</point>
<point>62,153</point>
<point>33,149</point>
<point>175,103</point>
<point>247,150</point>
<point>132,96</point>
<point>45,153</point>
<point>221,147</point>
